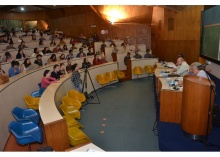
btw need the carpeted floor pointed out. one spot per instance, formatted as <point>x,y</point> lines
<point>124,119</point>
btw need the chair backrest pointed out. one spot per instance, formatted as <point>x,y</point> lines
<point>70,101</point>
<point>138,70</point>
<point>18,113</point>
<point>15,128</point>
<point>148,69</point>
<point>73,93</point>
<point>28,99</point>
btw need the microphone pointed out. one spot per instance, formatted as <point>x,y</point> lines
<point>202,66</point>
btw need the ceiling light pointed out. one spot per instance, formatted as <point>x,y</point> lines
<point>22,8</point>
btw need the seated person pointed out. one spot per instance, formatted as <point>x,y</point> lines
<point>137,56</point>
<point>182,67</point>
<point>147,55</point>
<point>10,46</point>
<point>2,39</point>
<point>46,50</point>
<point>3,77</point>
<point>96,60</point>
<point>62,57</point>
<point>62,42</point>
<point>53,58</point>
<point>56,72</point>
<point>81,53</point>
<point>69,66</point>
<point>62,69</point>
<point>53,43</point>
<point>82,38</point>
<point>22,45</point>
<point>65,48</point>
<point>115,49</point>
<point>197,70</point>
<point>84,45</point>
<point>8,57</point>
<point>70,55</point>
<point>20,39</point>
<point>36,52</point>
<point>57,49</point>
<point>90,53</point>
<point>34,37</point>
<point>41,40</point>
<point>112,44</point>
<point>127,57</point>
<point>38,60</point>
<point>21,54</point>
<point>103,58</point>
<point>46,80</point>
<point>14,70</point>
<point>86,63</point>
<point>25,65</point>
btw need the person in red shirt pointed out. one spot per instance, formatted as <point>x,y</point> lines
<point>96,60</point>
<point>46,80</point>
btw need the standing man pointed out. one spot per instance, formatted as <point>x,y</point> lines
<point>76,77</point>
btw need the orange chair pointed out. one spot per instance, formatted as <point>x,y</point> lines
<point>119,74</point>
<point>138,70</point>
<point>149,70</point>
<point>71,102</point>
<point>102,79</point>
<point>32,102</point>
<point>70,110</point>
<point>76,95</point>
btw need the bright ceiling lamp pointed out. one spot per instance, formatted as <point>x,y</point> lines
<point>114,15</point>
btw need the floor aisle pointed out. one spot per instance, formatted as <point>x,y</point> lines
<point>124,118</point>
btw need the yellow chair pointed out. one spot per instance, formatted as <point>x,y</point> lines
<point>149,69</point>
<point>70,110</point>
<point>32,102</point>
<point>102,79</point>
<point>71,122</point>
<point>154,67</point>
<point>77,137</point>
<point>111,76</point>
<point>138,70</point>
<point>120,74</point>
<point>76,95</point>
<point>71,102</point>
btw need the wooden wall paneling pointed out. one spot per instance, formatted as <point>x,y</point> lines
<point>57,135</point>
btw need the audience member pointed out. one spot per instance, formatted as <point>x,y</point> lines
<point>69,66</point>
<point>25,65</point>
<point>76,77</point>
<point>62,57</point>
<point>20,39</point>
<point>62,42</point>
<point>82,38</point>
<point>46,80</point>
<point>86,63</point>
<point>112,44</point>
<point>103,58</point>
<point>90,53</point>
<point>81,53</point>
<point>2,40</point>
<point>95,38</point>
<point>103,46</point>
<point>52,37</point>
<point>53,58</point>
<point>38,60</point>
<point>53,43</point>
<point>46,50</point>
<point>115,49</point>
<point>182,67</point>
<point>20,54</point>
<point>73,47</point>
<point>3,77</point>
<point>57,49</point>
<point>137,56</point>
<point>56,72</point>
<point>65,48</point>
<point>70,55</point>
<point>22,45</point>
<point>127,57</point>
<point>9,39</point>
<point>36,52</point>
<point>34,37</point>
<point>62,69</point>
<point>96,60</point>
<point>90,40</point>
<point>14,70</point>
<point>41,40</point>
<point>147,55</point>
<point>10,46</point>
<point>8,57</point>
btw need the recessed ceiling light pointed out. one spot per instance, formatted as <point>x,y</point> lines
<point>22,8</point>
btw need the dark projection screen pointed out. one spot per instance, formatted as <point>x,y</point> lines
<point>210,43</point>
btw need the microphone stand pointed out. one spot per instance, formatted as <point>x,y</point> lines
<point>209,110</point>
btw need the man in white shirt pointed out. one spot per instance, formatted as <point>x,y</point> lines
<point>182,67</point>
<point>197,71</point>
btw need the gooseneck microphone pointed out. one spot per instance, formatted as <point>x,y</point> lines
<point>202,66</point>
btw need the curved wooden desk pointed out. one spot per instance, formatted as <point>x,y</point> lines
<point>54,124</point>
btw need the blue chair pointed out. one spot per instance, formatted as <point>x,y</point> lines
<point>25,115</point>
<point>38,93</point>
<point>26,132</point>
